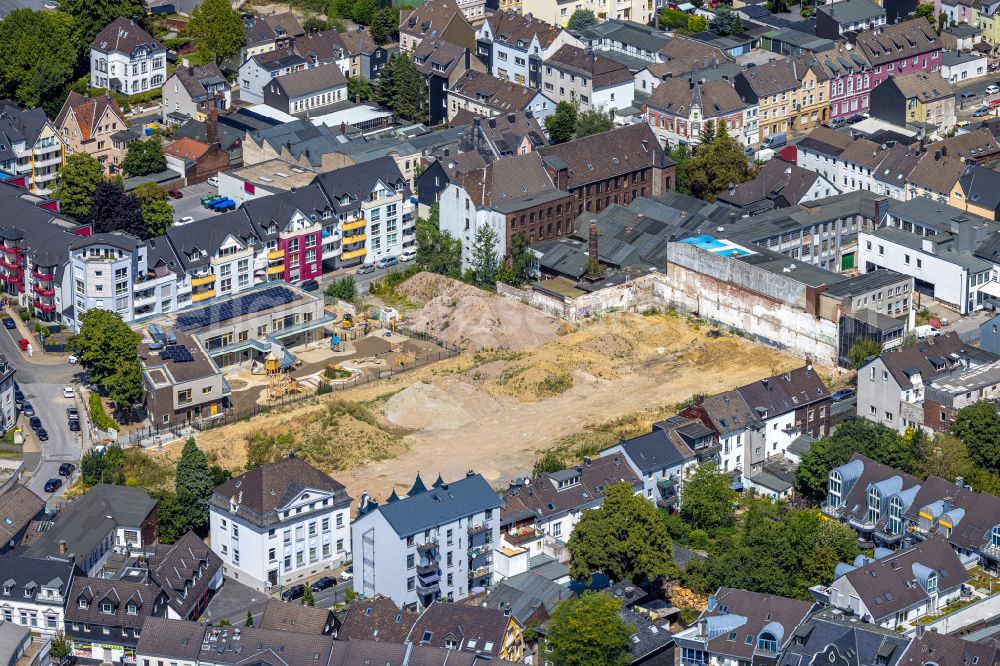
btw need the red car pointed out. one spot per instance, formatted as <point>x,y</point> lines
<point>23,344</point>
<point>176,194</point>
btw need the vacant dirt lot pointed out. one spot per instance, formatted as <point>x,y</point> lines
<point>494,411</point>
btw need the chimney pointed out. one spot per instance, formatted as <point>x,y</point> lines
<point>62,546</point>
<point>511,117</point>
<point>190,71</point>
<point>468,57</point>
<point>944,151</point>
<point>592,245</point>
<point>212,129</point>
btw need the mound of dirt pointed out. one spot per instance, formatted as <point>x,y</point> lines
<point>474,319</point>
<point>611,345</point>
<point>447,404</point>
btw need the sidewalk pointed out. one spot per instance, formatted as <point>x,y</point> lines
<point>39,356</point>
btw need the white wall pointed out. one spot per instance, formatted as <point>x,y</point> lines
<point>950,280</point>
<point>614,97</point>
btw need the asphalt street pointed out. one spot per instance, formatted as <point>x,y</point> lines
<point>235,599</point>
<point>42,386</point>
<point>190,205</point>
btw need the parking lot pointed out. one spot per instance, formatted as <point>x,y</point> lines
<point>190,205</point>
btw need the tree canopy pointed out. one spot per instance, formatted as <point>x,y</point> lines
<point>561,124</point>
<point>706,498</point>
<point>581,20</point>
<point>104,344</point>
<point>726,21</point>
<point>402,88</point>
<point>80,176</point>
<point>485,254</point>
<point>144,156</point>
<point>978,426</point>
<point>113,209</point>
<point>861,350</point>
<point>624,539</point>
<point>587,631</point>
<point>92,16</point>
<point>385,25</point>
<point>437,251</point>
<point>194,485</point>
<point>717,164</point>
<point>218,28</point>
<point>593,121</point>
<point>38,54</point>
<point>157,213</point>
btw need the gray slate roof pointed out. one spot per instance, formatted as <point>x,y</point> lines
<point>438,506</point>
<point>310,81</point>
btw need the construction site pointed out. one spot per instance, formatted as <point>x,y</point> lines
<point>524,383</point>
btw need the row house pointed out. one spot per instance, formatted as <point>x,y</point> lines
<point>944,396</point>
<point>628,38</point>
<point>442,64</point>
<point>188,572</point>
<point>917,98</point>
<point>988,21</point>
<point>514,47</point>
<point>365,58</point>
<point>901,48</point>
<point>33,592</point>
<point>893,510</point>
<point>104,618</point>
<point>514,195</point>
<point>558,12</point>
<point>487,96</point>
<point>435,543</point>
<point>587,80</point>
<point>18,508</point>
<point>126,59</point>
<point>678,110</point>
<point>437,19</point>
<point>259,70</point>
<point>94,126</point>
<point>790,95</point>
<point>850,16</point>
<point>960,11</point>
<point>850,79</point>
<point>306,90</point>
<point>270,33</point>
<point>778,184</point>
<point>279,523</point>
<point>31,148</point>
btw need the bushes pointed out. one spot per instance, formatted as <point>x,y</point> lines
<point>99,417</point>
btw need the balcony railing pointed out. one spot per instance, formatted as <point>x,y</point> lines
<point>481,572</point>
<point>10,249</point>
<point>479,528</point>
<point>276,254</point>
<point>42,291</point>
<point>204,295</point>
<point>351,254</point>
<point>274,270</point>
<point>45,307</point>
<point>203,279</point>
<point>45,277</point>
<point>354,224</point>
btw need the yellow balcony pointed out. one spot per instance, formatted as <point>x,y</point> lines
<point>353,254</point>
<point>276,254</point>
<point>354,224</point>
<point>272,270</point>
<point>356,238</point>
<point>202,295</point>
<point>205,279</point>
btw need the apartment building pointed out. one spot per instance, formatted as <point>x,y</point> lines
<point>513,46</point>
<point>30,147</point>
<point>778,185</point>
<point>94,126</point>
<point>191,92</point>
<point>442,64</point>
<point>977,191</point>
<point>587,80</point>
<point>436,543</point>
<point>259,70</point>
<point>791,95</point>
<point>189,573</point>
<point>306,90</point>
<point>851,16</point>
<point>680,109</point>
<point>436,19</point>
<point>126,59</point>
<point>487,96</point>
<point>104,618</point>
<point>270,33</point>
<point>900,48</point>
<point>279,523</point>
<point>915,98</point>
<point>34,591</point>
<point>850,79</point>
<point>558,12</point>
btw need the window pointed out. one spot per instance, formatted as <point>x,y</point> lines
<point>411,583</point>
<point>106,608</point>
<point>410,561</point>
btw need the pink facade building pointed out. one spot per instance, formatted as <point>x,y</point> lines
<point>903,48</point>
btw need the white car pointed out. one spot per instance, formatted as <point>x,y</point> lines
<point>187,219</point>
<point>348,573</point>
<point>408,255</point>
<point>992,89</point>
<point>73,359</point>
<point>67,391</point>
<point>213,181</point>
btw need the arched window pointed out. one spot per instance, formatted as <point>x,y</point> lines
<point>767,642</point>
<point>895,525</point>
<point>995,537</point>
<point>836,483</point>
<point>874,505</point>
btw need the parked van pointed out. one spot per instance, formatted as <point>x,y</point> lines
<point>775,141</point>
<point>926,331</point>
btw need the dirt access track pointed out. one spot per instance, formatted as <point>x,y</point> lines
<point>495,410</point>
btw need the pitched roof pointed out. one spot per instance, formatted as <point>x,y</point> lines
<point>772,78</point>
<point>437,506</point>
<point>981,187</point>
<point>234,645</point>
<point>785,393</point>
<point>528,594</point>
<point>504,96</point>
<point>506,182</point>
<point>474,629</point>
<point>601,156</point>
<point>775,179</point>
<point>852,11</point>
<point>17,507</point>
<point>88,112</point>
<point>120,594</point>
<point>602,71</point>
<point>431,18</point>
<point>931,647</point>
<point>937,173</point>
<point>186,149</point>
<point>358,41</point>
<point>436,56</point>
<point>515,29</point>
<point>26,576</point>
<point>285,22</point>
<point>925,86</point>
<point>714,98</point>
<point>320,47</point>
<point>657,450</point>
<point>124,36</point>
<point>308,81</point>
<point>377,619</point>
<point>572,489</point>
<point>198,79</point>
<point>747,614</point>
<point>826,141</point>
<point>262,490</point>
<point>682,56</point>
<point>905,361</point>
<point>896,582</point>
<point>296,618</point>
<point>854,643</point>
<point>899,41</point>
<point>184,570</point>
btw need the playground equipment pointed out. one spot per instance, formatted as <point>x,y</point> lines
<point>336,344</point>
<point>279,384</point>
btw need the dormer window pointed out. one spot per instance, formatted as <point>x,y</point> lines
<point>106,608</point>
<point>132,610</point>
<point>83,603</point>
<point>6,590</point>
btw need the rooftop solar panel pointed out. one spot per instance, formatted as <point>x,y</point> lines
<point>249,304</point>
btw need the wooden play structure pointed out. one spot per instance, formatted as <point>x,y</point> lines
<point>279,383</point>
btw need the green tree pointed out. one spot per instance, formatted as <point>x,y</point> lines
<point>169,516</point>
<point>364,11</point>
<point>114,209</point>
<point>716,165</point>
<point>942,22</point>
<point>587,631</point>
<point>681,155</point>
<point>80,176</point>
<point>307,597</point>
<point>437,251</point>
<point>706,498</point>
<point>92,16</point>
<point>697,23</point>
<point>402,88</point>
<point>945,456</point>
<point>548,462</point>
<point>144,156</point>
<point>978,426</point>
<point>60,647</point>
<point>485,261</point>
<point>624,539</point>
<point>520,258</point>
<point>861,350</point>
<point>925,9</point>
<point>593,121</point>
<point>707,133</point>
<point>777,6</point>
<point>104,344</point>
<point>384,25</point>
<point>194,485</point>
<point>249,620</point>
<point>218,28</point>
<point>581,20</point>
<point>359,88</point>
<point>725,22</point>
<point>37,57</point>
<point>561,125</point>
<point>156,212</point>
<point>343,289</point>
<point>313,23</point>
<point>674,20</point>
<point>124,386</point>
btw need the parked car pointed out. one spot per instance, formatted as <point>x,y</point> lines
<point>293,593</point>
<point>18,397</point>
<point>187,219</point>
<point>385,262</point>
<point>35,423</point>
<point>969,95</point>
<point>72,360</point>
<point>74,426</point>
<point>775,141</point>
<point>981,111</point>
<point>73,414</point>
<point>53,485</point>
<point>842,394</point>
<point>176,194</point>
<point>43,434</point>
<point>213,181</point>
<point>9,324</point>
<point>309,285</point>
<point>66,469</point>
<point>992,89</point>
<point>323,583</point>
<point>926,331</point>
<point>23,344</point>
<point>364,269</point>
<point>348,573</point>
<point>408,255</point>
<point>27,409</point>
<point>67,391</point>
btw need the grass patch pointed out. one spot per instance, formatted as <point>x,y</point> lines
<point>484,357</point>
<point>554,385</point>
<point>511,373</point>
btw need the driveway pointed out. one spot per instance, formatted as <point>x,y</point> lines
<point>42,386</point>
<point>190,205</point>
<point>7,6</point>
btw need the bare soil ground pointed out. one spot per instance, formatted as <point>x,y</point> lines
<point>494,411</point>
